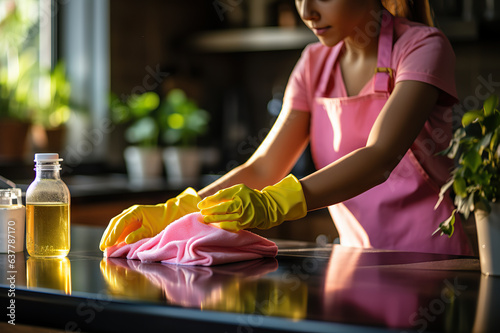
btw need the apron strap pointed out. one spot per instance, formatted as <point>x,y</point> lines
<point>384,74</point>
<point>329,66</point>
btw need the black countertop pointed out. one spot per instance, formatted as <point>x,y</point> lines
<point>307,288</point>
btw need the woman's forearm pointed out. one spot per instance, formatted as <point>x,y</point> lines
<point>239,175</point>
<point>349,176</point>
<point>253,174</point>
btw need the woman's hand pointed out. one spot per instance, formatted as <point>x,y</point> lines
<point>239,207</point>
<point>143,221</point>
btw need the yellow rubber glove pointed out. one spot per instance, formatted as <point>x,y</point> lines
<point>239,207</point>
<point>148,220</point>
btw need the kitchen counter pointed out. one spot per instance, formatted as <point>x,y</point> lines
<point>306,288</point>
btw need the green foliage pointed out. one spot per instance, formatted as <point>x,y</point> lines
<point>53,108</point>
<point>138,112</point>
<point>17,21</point>
<point>182,121</point>
<point>475,146</point>
<point>28,93</point>
<point>448,226</point>
<point>17,83</point>
<point>18,59</point>
<point>177,120</point>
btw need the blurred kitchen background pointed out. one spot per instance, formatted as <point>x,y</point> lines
<point>102,81</point>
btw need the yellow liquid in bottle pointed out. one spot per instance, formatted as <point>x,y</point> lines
<point>47,229</point>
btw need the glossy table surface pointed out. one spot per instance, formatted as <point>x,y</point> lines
<point>306,288</point>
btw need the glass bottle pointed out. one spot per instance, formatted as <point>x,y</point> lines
<point>47,210</point>
<point>12,220</point>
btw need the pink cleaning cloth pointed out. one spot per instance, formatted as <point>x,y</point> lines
<point>189,241</point>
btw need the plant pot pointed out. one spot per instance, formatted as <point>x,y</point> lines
<point>46,140</point>
<point>56,138</point>
<point>13,135</point>
<point>182,165</point>
<point>488,236</point>
<point>143,164</point>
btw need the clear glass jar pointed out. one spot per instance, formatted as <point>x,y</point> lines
<point>48,210</point>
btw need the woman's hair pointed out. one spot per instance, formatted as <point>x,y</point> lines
<point>414,10</point>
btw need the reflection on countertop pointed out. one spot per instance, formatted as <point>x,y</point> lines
<point>240,287</point>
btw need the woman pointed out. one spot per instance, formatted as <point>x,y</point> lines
<point>371,98</point>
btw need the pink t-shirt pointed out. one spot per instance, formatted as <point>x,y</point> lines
<point>420,53</point>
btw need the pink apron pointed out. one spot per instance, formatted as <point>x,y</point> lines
<point>399,213</point>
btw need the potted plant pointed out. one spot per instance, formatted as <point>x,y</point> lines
<point>142,156</point>
<point>15,105</point>
<point>18,70</point>
<point>14,114</point>
<point>475,180</point>
<point>52,110</point>
<point>182,123</point>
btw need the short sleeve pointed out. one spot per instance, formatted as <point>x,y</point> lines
<point>425,54</point>
<point>296,95</point>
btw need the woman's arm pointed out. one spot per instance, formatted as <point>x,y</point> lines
<point>273,159</point>
<point>393,133</point>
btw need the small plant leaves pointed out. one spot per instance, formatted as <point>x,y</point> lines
<point>472,160</point>
<point>471,116</point>
<point>476,176</point>
<point>447,227</point>
<point>490,104</point>
<point>459,186</point>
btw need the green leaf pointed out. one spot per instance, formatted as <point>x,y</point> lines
<point>447,226</point>
<point>481,178</point>
<point>490,105</point>
<point>472,159</point>
<point>452,149</point>
<point>144,131</point>
<point>485,142</point>
<point>172,136</point>
<point>142,105</point>
<point>460,187</point>
<point>182,121</point>
<point>176,120</point>
<point>494,140</point>
<point>176,97</point>
<point>471,116</point>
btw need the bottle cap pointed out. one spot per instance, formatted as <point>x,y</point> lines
<point>7,196</point>
<point>47,157</point>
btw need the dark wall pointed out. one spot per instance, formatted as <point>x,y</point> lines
<point>154,36</point>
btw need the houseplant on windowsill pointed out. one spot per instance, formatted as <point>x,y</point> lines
<point>476,180</point>
<point>142,156</point>
<point>182,123</point>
